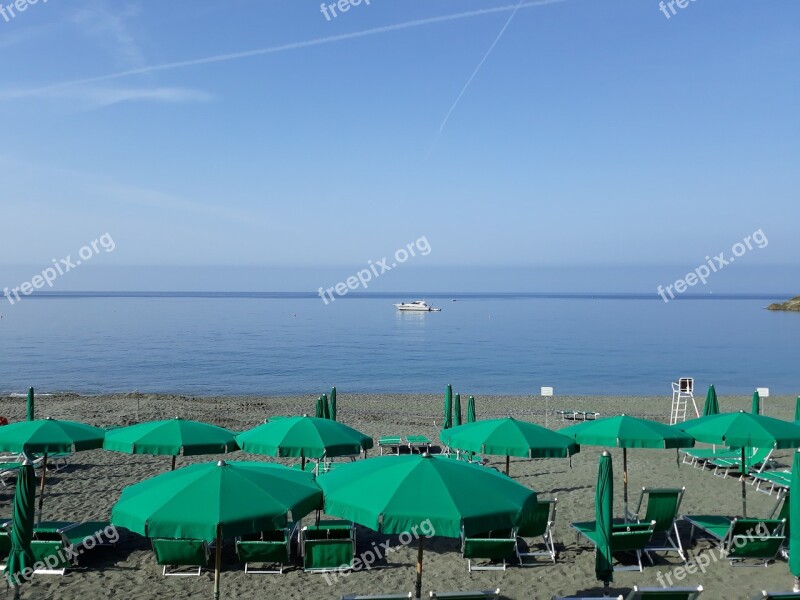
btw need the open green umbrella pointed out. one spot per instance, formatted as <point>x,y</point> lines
<point>333,403</point>
<point>794,517</point>
<point>797,409</point>
<point>395,494</point>
<point>604,515</point>
<point>756,405</point>
<point>448,407</point>
<point>30,405</point>
<point>471,410</point>
<point>510,437</point>
<point>48,436</point>
<point>304,437</point>
<point>319,413</point>
<point>743,430</point>
<point>627,432</point>
<point>217,500</point>
<point>20,556</point>
<point>711,407</point>
<point>172,437</point>
<point>457,411</point>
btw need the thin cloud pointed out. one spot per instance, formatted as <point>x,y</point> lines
<point>93,97</point>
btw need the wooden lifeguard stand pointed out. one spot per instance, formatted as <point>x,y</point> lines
<point>682,392</point>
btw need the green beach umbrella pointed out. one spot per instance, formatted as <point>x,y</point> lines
<point>48,436</point>
<point>396,494</point>
<point>20,556</point>
<point>627,432</point>
<point>756,405</point>
<point>510,437</point>
<point>30,405</point>
<point>172,437</point>
<point>797,409</point>
<point>448,407</point>
<point>217,500</point>
<point>604,515</point>
<point>471,410</point>
<point>333,403</point>
<point>457,411</point>
<point>304,437</point>
<point>326,409</point>
<point>711,407</point>
<point>794,517</point>
<point>320,411</point>
<point>743,430</point>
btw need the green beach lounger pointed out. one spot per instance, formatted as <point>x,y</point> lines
<point>52,539</point>
<point>418,443</point>
<point>391,443</point>
<point>697,457</point>
<point>328,546</point>
<point>538,523</point>
<point>663,505</point>
<point>777,596</point>
<point>407,596</point>
<point>494,546</point>
<point>179,553</point>
<point>266,548</point>
<point>625,537</point>
<point>684,593</point>
<point>758,459</point>
<point>779,480</point>
<point>485,594</point>
<point>742,539</point>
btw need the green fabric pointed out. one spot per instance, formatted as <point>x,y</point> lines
<point>328,554</point>
<point>333,403</point>
<point>743,429</point>
<point>171,438</point>
<point>471,410</point>
<point>310,437</point>
<point>393,494</point>
<point>181,552</point>
<point>457,411</point>
<point>326,409</point>
<point>756,408</point>
<point>711,407</point>
<point>191,502</point>
<point>510,437</point>
<point>628,432</point>
<point>604,515</point>
<point>30,406</point>
<point>794,517</point>
<point>797,409</point>
<point>255,551</point>
<point>319,413</point>
<point>21,554</point>
<point>448,407</point>
<point>489,549</point>
<point>49,435</point>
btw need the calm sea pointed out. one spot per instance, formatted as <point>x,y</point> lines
<point>483,344</point>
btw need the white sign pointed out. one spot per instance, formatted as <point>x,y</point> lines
<point>763,392</point>
<point>547,391</point>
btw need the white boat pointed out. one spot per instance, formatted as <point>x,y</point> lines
<point>418,306</point>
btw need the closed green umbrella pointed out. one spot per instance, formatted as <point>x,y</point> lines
<point>20,556</point>
<point>326,408</point>
<point>471,410</point>
<point>510,437</point>
<point>711,407</point>
<point>30,405</point>
<point>172,437</point>
<point>333,403</point>
<point>457,411</point>
<point>395,494</point>
<point>448,407</point>
<point>743,430</point>
<point>217,500</point>
<point>794,518</point>
<point>627,432</point>
<point>319,413</point>
<point>48,436</point>
<point>604,515</point>
<point>756,405</point>
<point>797,409</point>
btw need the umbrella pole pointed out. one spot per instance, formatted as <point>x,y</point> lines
<point>508,460</point>
<point>419,567</point>
<point>173,463</point>
<point>41,486</point>
<point>625,481</point>
<point>218,562</point>
<point>744,489</point>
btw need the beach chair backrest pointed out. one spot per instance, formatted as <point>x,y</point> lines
<point>50,553</point>
<point>631,538</point>
<point>662,506</point>
<point>328,553</point>
<point>489,548</point>
<point>180,552</point>
<point>683,593</point>
<point>536,521</point>
<point>778,596</point>
<point>756,527</point>
<point>758,548</point>
<point>758,456</point>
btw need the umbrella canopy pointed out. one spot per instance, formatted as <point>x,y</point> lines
<point>448,407</point>
<point>711,407</point>
<point>510,437</point>
<point>394,494</point>
<point>604,514</point>
<point>471,410</point>
<point>628,432</point>
<point>756,405</point>
<point>743,430</point>
<point>30,405</point>
<point>215,501</point>
<point>457,411</point>
<point>307,437</point>
<point>333,403</point>
<point>794,517</point>
<point>20,556</point>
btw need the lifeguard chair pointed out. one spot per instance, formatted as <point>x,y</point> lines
<point>682,392</point>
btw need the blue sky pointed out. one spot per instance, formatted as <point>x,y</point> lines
<point>258,133</point>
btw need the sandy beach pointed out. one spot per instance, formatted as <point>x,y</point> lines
<point>93,481</point>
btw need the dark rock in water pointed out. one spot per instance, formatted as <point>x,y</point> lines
<point>793,304</point>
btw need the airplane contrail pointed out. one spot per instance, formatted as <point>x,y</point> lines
<point>274,49</point>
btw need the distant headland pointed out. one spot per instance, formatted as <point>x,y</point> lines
<point>793,304</point>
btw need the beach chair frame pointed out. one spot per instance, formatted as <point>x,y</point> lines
<point>488,546</point>
<point>663,506</point>
<point>757,457</point>
<point>189,553</point>
<point>391,442</point>
<point>543,525</point>
<point>765,595</point>
<point>266,551</point>
<point>686,593</point>
<point>482,595</point>
<point>625,537</point>
<point>332,533</point>
<point>379,597</point>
